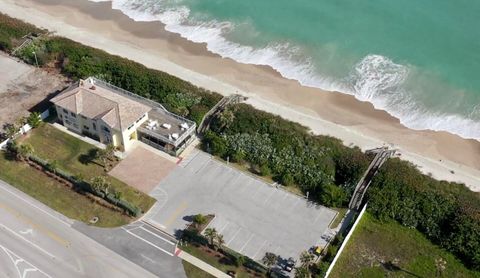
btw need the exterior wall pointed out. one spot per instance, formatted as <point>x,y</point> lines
<point>98,128</point>
<point>132,132</point>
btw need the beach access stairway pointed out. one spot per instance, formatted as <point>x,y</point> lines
<point>382,155</point>
<point>216,110</point>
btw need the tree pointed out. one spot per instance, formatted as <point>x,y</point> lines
<point>332,195</point>
<point>306,258</point>
<point>269,260</point>
<point>24,151</point>
<point>10,130</point>
<point>53,166</point>
<point>199,220</point>
<point>34,119</point>
<point>110,151</point>
<point>211,234</point>
<point>302,272</point>
<point>100,184</point>
<point>219,241</point>
<point>226,118</point>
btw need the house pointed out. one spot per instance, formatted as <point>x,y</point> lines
<point>112,115</point>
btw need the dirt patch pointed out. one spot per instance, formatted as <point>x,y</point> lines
<point>23,87</point>
<point>142,169</point>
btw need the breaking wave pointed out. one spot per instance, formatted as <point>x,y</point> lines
<point>375,78</point>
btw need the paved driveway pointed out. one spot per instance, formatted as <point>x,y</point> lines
<point>253,216</point>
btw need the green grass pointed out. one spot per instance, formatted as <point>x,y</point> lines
<point>214,259</point>
<point>194,272</point>
<point>56,195</point>
<point>412,254</point>
<point>53,144</point>
<point>340,215</point>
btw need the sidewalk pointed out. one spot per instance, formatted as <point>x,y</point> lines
<point>200,264</point>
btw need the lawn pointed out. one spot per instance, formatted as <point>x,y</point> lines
<point>71,154</point>
<point>218,260</point>
<point>194,272</point>
<point>56,195</point>
<point>390,250</point>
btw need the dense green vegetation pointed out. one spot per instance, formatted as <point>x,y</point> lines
<point>387,249</point>
<point>447,213</point>
<point>288,152</point>
<point>12,31</point>
<point>79,61</point>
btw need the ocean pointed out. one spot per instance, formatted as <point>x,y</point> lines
<point>419,60</point>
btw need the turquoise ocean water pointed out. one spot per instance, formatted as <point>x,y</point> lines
<point>417,59</point>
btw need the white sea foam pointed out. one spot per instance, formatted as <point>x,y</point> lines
<point>375,78</point>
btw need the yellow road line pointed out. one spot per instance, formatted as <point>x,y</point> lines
<point>40,228</point>
<point>174,215</point>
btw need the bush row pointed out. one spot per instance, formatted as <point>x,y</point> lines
<point>86,187</point>
<point>447,213</point>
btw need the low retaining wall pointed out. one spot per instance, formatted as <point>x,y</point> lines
<point>345,241</point>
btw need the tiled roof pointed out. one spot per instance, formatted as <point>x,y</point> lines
<point>95,102</point>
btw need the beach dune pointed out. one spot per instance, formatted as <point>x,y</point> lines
<point>441,154</point>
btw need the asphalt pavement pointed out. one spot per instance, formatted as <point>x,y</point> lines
<point>36,241</point>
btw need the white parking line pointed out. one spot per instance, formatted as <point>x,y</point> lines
<point>148,242</point>
<point>241,249</point>
<point>258,250</point>
<point>269,196</point>
<point>221,230</point>
<point>31,243</point>
<point>236,233</point>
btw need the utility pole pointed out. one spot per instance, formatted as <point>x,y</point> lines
<point>35,55</point>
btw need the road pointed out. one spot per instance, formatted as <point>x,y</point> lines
<point>36,241</point>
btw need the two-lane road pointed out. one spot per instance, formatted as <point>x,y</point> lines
<point>36,241</point>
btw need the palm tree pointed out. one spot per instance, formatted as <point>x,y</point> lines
<point>306,258</point>
<point>302,272</point>
<point>34,119</point>
<point>110,151</point>
<point>270,260</point>
<point>211,234</point>
<point>226,118</point>
<point>219,241</point>
<point>24,151</point>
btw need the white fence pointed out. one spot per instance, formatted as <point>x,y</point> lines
<point>24,129</point>
<point>345,241</point>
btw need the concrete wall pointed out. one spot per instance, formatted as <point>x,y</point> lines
<point>126,135</point>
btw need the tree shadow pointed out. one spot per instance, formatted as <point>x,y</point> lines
<point>89,157</point>
<point>392,267</point>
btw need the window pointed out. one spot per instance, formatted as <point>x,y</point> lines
<point>106,129</point>
<point>65,111</point>
<point>73,114</point>
<point>86,127</point>
<point>94,126</point>
<point>83,117</point>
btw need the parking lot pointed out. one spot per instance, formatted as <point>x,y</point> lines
<point>253,217</point>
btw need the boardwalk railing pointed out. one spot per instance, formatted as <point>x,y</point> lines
<point>216,109</point>
<point>382,154</point>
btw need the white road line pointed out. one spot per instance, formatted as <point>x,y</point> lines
<point>31,243</point>
<point>258,250</point>
<point>5,249</point>
<point>31,204</point>
<point>152,233</point>
<point>244,245</point>
<point>228,243</point>
<point>148,242</point>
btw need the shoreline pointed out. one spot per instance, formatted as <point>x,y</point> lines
<point>328,113</point>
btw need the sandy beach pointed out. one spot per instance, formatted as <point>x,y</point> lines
<point>443,155</point>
